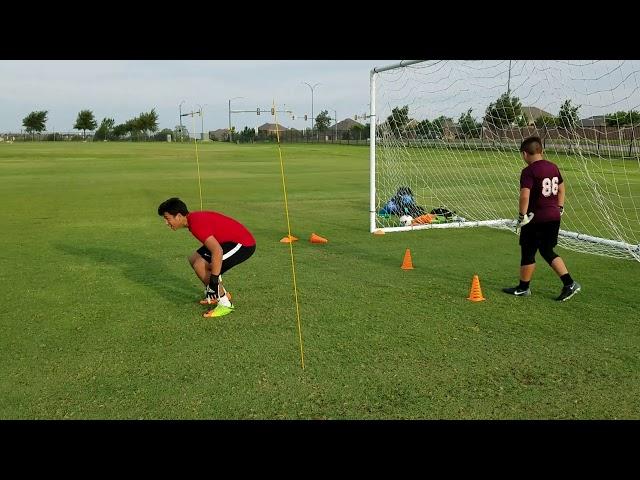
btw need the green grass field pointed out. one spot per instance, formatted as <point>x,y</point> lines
<point>100,318</point>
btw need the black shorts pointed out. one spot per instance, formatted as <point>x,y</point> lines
<point>232,254</point>
<point>539,235</point>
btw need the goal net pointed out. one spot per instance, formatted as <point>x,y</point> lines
<point>445,140</point>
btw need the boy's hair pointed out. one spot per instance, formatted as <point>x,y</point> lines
<point>531,145</point>
<point>173,206</point>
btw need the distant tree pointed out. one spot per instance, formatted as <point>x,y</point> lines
<point>120,130</point>
<point>133,127</point>
<point>85,121</point>
<point>506,111</point>
<point>130,128</point>
<point>545,121</point>
<point>398,119</point>
<point>437,125</point>
<point>323,120</point>
<point>426,129</point>
<point>105,128</point>
<point>356,132</point>
<point>35,121</point>
<point>162,135</point>
<point>469,126</point>
<point>622,119</point>
<point>568,115</point>
<point>247,135</point>
<point>148,122</point>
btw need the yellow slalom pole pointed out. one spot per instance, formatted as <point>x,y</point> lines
<point>286,209</point>
<point>193,124</point>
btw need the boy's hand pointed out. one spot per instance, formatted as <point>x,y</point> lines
<point>523,220</point>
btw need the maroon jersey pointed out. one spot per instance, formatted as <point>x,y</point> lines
<point>224,229</point>
<point>542,179</point>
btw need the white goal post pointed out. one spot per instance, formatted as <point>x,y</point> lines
<point>445,137</point>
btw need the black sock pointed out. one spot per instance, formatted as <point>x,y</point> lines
<point>566,279</point>
<point>523,285</point>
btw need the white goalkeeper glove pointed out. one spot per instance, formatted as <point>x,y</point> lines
<point>523,220</point>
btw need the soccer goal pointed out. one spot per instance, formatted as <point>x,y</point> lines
<point>445,139</point>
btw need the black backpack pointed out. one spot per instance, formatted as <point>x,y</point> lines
<point>445,212</point>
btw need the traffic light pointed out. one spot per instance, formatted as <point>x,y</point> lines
<point>305,118</point>
<point>273,111</point>
<point>258,110</point>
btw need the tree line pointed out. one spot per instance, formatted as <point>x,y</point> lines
<point>506,111</point>
<point>140,126</point>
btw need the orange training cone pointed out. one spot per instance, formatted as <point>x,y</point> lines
<point>288,239</point>
<point>475,294</point>
<point>407,264</point>
<point>317,239</point>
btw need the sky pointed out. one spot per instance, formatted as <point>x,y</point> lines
<point>122,89</point>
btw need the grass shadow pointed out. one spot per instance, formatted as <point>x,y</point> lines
<point>141,269</point>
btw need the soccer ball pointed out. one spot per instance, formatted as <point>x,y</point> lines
<point>406,220</point>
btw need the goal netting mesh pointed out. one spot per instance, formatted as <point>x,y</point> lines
<point>448,135</point>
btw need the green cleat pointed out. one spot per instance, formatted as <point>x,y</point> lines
<point>219,311</point>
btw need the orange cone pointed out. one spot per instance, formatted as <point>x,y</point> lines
<point>317,239</point>
<point>288,239</point>
<point>475,294</point>
<point>407,264</point>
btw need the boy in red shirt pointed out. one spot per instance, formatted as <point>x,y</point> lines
<point>225,244</point>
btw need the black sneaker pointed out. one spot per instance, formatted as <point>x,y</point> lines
<point>517,291</point>
<point>569,291</point>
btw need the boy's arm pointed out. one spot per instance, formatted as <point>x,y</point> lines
<point>216,254</point>
<point>523,204</point>
<point>561,196</point>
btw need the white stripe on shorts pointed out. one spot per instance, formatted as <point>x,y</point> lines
<point>232,251</point>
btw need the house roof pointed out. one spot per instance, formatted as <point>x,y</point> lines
<point>534,113</point>
<point>272,127</point>
<point>347,124</point>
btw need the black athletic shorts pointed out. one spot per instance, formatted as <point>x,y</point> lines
<point>232,254</point>
<point>539,235</point>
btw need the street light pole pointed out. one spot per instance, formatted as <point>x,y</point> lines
<point>230,115</point>
<point>312,89</point>
<point>201,121</point>
<point>335,119</point>
<point>180,117</point>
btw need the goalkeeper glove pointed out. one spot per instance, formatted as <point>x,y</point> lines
<point>523,220</point>
<point>561,208</point>
<point>213,286</point>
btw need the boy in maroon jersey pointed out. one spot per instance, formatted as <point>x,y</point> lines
<point>541,204</point>
<point>225,244</point>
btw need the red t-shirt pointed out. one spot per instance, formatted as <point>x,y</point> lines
<point>204,224</point>
<point>542,179</point>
